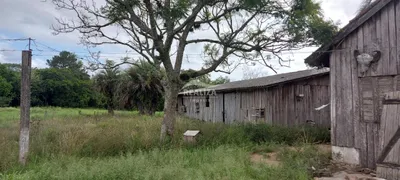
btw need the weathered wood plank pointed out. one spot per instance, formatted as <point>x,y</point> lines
<point>367,39</point>
<point>392,39</point>
<point>315,102</point>
<point>271,95</point>
<point>365,92</point>
<point>396,157</point>
<point>291,108</point>
<point>374,43</point>
<point>245,107</point>
<point>238,117</point>
<point>263,94</point>
<point>370,145</point>
<point>307,104</point>
<point>384,45</point>
<point>341,128</point>
<point>375,142</point>
<point>390,120</point>
<point>356,44</point>
<point>332,75</point>
<point>327,100</point>
<point>347,96</point>
<point>396,150</point>
<point>268,106</point>
<point>397,21</point>
<point>383,130</point>
<point>279,110</point>
<point>285,106</point>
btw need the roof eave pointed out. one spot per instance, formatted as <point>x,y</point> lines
<point>259,87</point>
<point>316,59</point>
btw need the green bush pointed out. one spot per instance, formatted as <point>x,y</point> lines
<point>259,133</point>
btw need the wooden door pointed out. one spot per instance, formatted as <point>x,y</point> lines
<point>388,162</point>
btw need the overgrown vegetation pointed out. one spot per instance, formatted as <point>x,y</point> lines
<point>66,83</point>
<point>90,144</point>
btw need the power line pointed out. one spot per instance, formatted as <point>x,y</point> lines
<point>16,39</point>
<point>48,47</point>
<point>9,50</point>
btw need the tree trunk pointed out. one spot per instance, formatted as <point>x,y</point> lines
<point>110,104</point>
<point>140,108</point>
<point>168,123</point>
<point>110,110</point>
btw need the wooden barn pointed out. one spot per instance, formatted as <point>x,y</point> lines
<point>287,99</point>
<point>364,62</point>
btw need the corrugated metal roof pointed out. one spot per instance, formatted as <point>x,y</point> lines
<point>263,81</point>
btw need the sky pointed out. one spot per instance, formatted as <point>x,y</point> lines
<point>34,19</point>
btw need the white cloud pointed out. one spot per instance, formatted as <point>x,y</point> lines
<point>33,18</point>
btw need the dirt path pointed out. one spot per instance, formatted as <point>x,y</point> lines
<point>332,171</point>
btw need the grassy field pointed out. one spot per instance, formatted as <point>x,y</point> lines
<point>89,144</point>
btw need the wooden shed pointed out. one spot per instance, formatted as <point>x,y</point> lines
<point>288,99</point>
<point>364,59</point>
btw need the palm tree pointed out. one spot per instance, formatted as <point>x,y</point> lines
<point>106,82</point>
<point>142,87</point>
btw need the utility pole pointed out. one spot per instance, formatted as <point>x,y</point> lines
<point>29,45</point>
<point>25,105</point>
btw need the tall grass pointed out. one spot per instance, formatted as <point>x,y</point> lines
<point>224,162</point>
<point>76,143</point>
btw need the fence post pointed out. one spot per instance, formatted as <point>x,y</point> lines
<point>25,105</point>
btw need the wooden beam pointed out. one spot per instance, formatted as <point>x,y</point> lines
<point>388,165</point>
<point>391,101</point>
<point>389,146</point>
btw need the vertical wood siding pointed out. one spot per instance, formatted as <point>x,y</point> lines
<point>357,98</point>
<point>281,104</point>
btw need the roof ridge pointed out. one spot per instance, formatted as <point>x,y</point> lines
<point>266,80</point>
<point>286,73</point>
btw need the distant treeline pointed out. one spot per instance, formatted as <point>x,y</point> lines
<point>66,83</point>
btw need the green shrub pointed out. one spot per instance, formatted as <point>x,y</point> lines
<point>259,133</point>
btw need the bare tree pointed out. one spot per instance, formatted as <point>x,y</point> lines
<point>237,31</point>
<point>252,73</point>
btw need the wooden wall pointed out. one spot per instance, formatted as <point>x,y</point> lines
<point>280,103</point>
<point>356,97</point>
